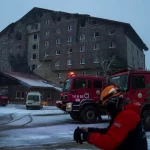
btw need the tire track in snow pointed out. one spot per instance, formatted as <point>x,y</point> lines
<point>31,119</point>
<point>6,118</point>
<point>20,117</point>
<point>12,118</point>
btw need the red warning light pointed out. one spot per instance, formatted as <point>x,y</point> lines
<point>71,74</point>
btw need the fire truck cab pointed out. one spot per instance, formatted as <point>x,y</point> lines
<point>80,95</point>
<point>135,85</point>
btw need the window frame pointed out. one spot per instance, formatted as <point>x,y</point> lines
<point>47,22</point>
<point>69,28</point>
<point>46,43</point>
<point>35,66</point>
<point>96,62</point>
<point>68,51</point>
<point>111,33</point>
<point>82,48</point>
<point>69,40</point>
<point>96,33</point>
<point>82,37</point>
<point>112,44</point>
<point>33,56</point>
<point>69,62</point>
<point>57,52</point>
<point>58,41</point>
<point>35,39</point>
<point>47,33</point>
<point>59,75</point>
<point>82,62</point>
<point>46,54</point>
<point>95,46</point>
<point>17,94</point>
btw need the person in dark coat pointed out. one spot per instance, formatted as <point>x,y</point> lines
<point>125,131</point>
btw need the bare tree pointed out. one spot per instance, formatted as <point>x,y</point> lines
<point>104,62</point>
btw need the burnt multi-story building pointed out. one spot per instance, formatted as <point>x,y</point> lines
<point>15,41</point>
<point>55,43</point>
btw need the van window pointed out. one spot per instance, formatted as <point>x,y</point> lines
<point>79,83</point>
<point>97,84</point>
<point>33,97</point>
<point>138,82</point>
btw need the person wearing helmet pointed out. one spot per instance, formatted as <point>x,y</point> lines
<point>125,131</point>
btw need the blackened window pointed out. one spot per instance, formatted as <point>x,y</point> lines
<point>34,46</point>
<point>69,50</point>
<point>97,84</point>
<point>138,82</point>
<point>34,56</point>
<point>79,83</point>
<point>33,67</point>
<point>57,52</point>
<point>96,34</point>
<point>82,23</point>
<point>35,36</point>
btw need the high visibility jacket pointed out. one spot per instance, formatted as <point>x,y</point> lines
<point>125,132</point>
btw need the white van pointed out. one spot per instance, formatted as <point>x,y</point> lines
<point>34,100</point>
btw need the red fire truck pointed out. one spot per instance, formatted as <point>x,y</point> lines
<point>80,95</point>
<point>4,97</point>
<point>135,85</point>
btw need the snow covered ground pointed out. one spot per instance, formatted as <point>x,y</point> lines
<point>57,127</point>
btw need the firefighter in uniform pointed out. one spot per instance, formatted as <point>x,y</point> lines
<point>125,131</point>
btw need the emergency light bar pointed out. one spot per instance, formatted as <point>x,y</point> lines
<point>71,74</point>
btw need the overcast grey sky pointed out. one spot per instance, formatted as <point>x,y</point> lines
<point>135,12</point>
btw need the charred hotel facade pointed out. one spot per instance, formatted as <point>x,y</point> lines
<point>53,43</point>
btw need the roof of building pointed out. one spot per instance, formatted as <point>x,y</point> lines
<point>36,13</point>
<point>31,80</point>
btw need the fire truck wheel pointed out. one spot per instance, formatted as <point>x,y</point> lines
<point>146,120</point>
<point>88,114</point>
<point>74,116</point>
